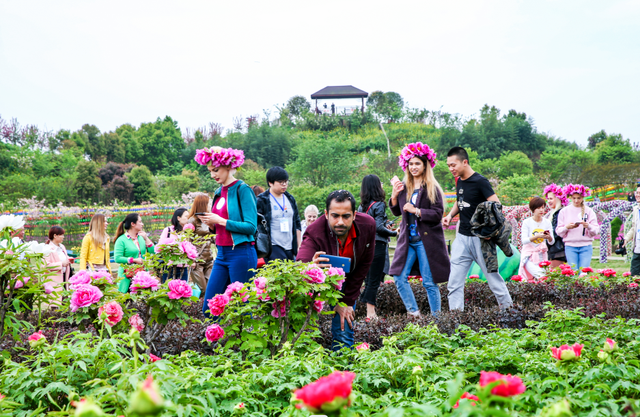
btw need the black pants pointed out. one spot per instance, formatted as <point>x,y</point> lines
<point>376,273</point>
<point>635,264</point>
<point>278,252</point>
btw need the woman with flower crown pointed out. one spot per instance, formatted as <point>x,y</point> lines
<point>234,216</point>
<point>419,199</point>
<point>577,226</point>
<point>556,200</point>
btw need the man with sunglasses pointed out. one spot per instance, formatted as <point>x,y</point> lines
<point>342,232</point>
<point>280,210</point>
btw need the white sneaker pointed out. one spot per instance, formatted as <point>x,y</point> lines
<point>414,314</point>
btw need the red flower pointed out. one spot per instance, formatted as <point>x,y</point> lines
<point>517,278</point>
<point>474,276</point>
<point>568,271</point>
<point>508,387</point>
<point>544,263</point>
<point>467,396</point>
<point>154,358</point>
<point>587,269</point>
<point>328,393</point>
<point>567,353</point>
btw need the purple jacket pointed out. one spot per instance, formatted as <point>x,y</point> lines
<point>430,229</point>
<point>320,238</point>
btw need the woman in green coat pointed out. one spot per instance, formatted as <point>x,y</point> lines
<point>132,243</point>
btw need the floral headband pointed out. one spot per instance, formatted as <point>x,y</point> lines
<point>571,189</point>
<point>220,157</point>
<point>558,192</point>
<point>416,149</point>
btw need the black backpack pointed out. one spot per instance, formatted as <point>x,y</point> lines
<point>262,235</point>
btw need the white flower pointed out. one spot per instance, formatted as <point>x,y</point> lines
<point>11,222</point>
<point>35,247</point>
<point>15,243</point>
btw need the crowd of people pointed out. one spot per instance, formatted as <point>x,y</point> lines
<point>561,230</point>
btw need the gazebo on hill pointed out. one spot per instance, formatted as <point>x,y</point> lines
<point>337,92</point>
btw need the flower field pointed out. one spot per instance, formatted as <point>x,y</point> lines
<point>569,346</point>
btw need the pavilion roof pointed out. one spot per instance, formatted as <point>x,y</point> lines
<point>339,91</point>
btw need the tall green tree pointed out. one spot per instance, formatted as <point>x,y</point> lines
<point>514,162</point>
<point>322,161</point>
<point>87,183</point>
<point>144,188</point>
<point>268,145</point>
<point>161,143</point>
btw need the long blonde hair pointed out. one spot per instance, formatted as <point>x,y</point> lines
<point>428,181</point>
<point>97,231</point>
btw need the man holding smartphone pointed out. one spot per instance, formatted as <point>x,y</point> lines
<point>340,232</point>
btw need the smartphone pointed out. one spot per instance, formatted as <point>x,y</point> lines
<point>201,214</point>
<point>339,262</point>
<point>394,180</point>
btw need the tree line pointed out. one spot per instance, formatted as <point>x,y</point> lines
<point>154,162</point>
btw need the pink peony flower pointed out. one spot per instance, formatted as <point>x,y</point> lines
<point>633,285</point>
<point>362,346</point>
<point>608,272</point>
<point>474,276</point>
<point>466,396</point>
<point>567,353</point>
<point>189,249</point>
<point>335,271</point>
<point>103,276</point>
<point>143,280</point>
<point>544,264</point>
<point>84,295</point>
<point>587,269</point>
<point>327,394</point>
<point>165,242</point>
<point>48,287</point>
<point>82,277</point>
<point>568,272</point>
<point>111,312</point>
<point>262,295</point>
<point>218,303</point>
<point>315,275</point>
<point>279,309</point>
<point>237,287</point>
<point>626,274</point>
<point>37,339</point>
<point>20,282</point>
<point>214,333</point>
<point>508,387</point>
<point>136,322</point>
<point>260,283</point>
<point>318,306</point>
<point>516,278</point>
<point>188,226</point>
<point>154,358</point>
<point>340,282</point>
<point>179,289</point>
<point>610,345</point>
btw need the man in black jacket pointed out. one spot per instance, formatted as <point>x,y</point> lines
<point>280,210</point>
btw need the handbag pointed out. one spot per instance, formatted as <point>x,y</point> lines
<point>262,236</point>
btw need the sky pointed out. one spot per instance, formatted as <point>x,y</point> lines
<point>573,66</point>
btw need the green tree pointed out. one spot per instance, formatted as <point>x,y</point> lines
<point>322,161</point>
<point>96,147</point>
<point>172,188</point>
<point>268,145</point>
<point>298,105</point>
<point>596,138</point>
<point>161,143</point>
<point>144,188</point>
<point>514,162</point>
<point>614,150</point>
<point>87,183</point>
<point>114,147</point>
<point>518,189</point>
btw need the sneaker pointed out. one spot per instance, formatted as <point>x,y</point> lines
<point>414,314</point>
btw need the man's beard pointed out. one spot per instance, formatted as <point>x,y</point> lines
<point>340,230</point>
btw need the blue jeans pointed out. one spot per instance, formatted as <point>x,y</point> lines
<point>341,338</point>
<point>578,257</point>
<point>231,265</point>
<point>416,250</point>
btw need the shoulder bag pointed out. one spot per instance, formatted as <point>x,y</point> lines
<point>262,235</point>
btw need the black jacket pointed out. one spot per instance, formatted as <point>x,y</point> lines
<point>264,208</point>
<point>379,214</point>
<point>488,222</point>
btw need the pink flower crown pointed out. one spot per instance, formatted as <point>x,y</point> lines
<point>220,157</point>
<point>558,192</point>
<point>571,189</point>
<point>416,149</point>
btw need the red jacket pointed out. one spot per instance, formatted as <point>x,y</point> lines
<point>319,237</point>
